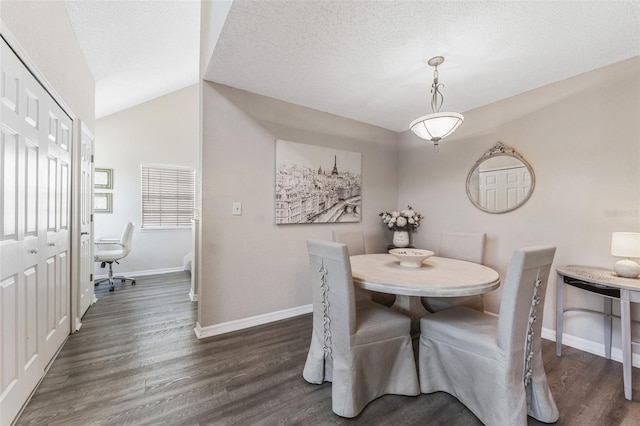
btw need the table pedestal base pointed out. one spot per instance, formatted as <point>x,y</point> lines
<point>412,307</point>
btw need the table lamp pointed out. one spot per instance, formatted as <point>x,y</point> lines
<point>626,244</point>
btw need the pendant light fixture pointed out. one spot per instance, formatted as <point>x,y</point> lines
<point>438,125</point>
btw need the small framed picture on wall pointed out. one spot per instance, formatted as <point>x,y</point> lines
<point>103,178</point>
<point>103,202</point>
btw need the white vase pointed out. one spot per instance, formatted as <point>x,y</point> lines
<point>401,238</point>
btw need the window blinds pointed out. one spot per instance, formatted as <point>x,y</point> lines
<point>168,195</point>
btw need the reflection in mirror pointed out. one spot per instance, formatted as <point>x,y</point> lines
<point>500,181</point>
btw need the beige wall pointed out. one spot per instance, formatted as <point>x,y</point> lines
<point>43,30</point>
<point>582,138</point>
<point>250,266</point>
<point>163,131</point>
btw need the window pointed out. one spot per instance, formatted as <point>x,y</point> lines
<point>168,195</point>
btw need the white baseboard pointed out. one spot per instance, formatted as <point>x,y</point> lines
<point>135,274</point>
<point>589,346</point>
<point>547,333</point>
<point>227,327</point>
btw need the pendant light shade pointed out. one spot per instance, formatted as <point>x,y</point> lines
<point>438,125</point>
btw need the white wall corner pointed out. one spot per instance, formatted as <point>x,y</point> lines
<point>187,262</point>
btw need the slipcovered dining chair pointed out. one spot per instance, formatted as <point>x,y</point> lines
<point>461,246</point>
<point>494,365</point>
<point>365,350</point>
<point>109,251</point>
<point>353,239</point>
<point>355,243</point>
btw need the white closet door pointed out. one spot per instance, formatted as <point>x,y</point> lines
<point>34,255</point>
<point>57,258</point>
<point>21,274</point>
<point>86,223</point>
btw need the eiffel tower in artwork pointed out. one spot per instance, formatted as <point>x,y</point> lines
<point>334,172</point>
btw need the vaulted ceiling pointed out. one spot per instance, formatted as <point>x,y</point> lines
<point>137,50</point>
<point>364,60</point>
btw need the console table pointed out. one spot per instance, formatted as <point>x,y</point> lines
<point>606,283</point>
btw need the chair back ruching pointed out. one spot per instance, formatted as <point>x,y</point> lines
<point>520,319</point>
<point>126,238</point>
<point>333,296</point>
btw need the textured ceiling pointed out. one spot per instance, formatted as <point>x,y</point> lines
<point>361,59</point>
<point>137,50</point>
<point>366,60</point>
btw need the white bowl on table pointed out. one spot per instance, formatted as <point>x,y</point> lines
<point>410,257</point>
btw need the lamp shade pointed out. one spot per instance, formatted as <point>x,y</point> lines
<point>436,126</point>
<point>625,244</point>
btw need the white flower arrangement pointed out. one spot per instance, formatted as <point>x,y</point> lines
<point>404,220</point>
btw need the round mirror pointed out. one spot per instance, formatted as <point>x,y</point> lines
<point>500,181</point>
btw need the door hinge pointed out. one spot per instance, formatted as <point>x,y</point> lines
<point>90,277</point>
<point>92,158</point>
<point>91,218</point>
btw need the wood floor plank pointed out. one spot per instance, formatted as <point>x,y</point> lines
<point>136,361</point>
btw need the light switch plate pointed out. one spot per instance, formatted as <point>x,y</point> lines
<point>237,208</point>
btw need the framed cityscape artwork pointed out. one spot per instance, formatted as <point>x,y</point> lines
<point>316,184</point>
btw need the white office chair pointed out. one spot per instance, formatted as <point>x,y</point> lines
<point>494,365</point>
<point>461,246</point>
<point>365,350</point>
<point>109,251</point>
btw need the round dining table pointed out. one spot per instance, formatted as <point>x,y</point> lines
<point>436,277</point>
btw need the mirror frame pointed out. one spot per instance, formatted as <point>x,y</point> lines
<point>501,150</point>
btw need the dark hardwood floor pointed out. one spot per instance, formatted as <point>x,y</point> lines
<point>136,361</point>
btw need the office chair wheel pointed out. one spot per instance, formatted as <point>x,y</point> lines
<point>111,288</point>
<point>133,282</point>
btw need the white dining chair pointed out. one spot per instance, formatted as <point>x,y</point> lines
<point>352,238</point>
<point>364,350</point>
<point>355,243</point>
<point>461,246</point>
<point>493,365</point>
